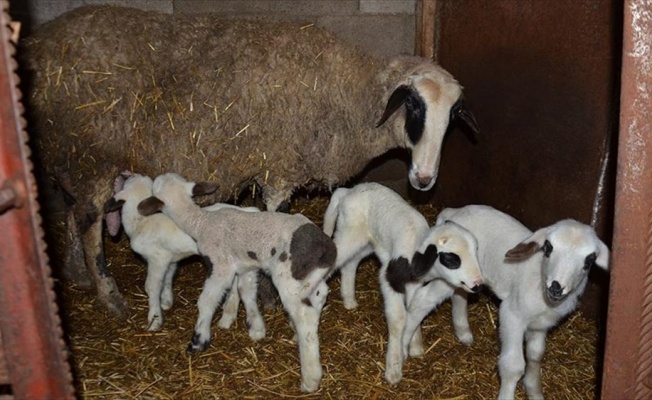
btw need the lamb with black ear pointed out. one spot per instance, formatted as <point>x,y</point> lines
<point>371,218</point>
<point>162,244</point>
<point>289,248</point>
<point>538,276</point>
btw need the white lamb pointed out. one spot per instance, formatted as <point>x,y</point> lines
<point>371,218</point>
<point>538,276</point>
<point>162,244</point>
<point>296,254</point>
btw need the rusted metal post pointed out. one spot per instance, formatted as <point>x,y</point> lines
<point>628,357</point>
<point>29,324</point>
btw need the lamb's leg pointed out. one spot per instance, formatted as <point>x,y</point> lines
<point>511,363</point>
<point>351,249</point>
<point>305,314</point>
<point>107,289</point>
<point>156,270</point>
<point>167,296</point>
<point>535,345</point>
<point>230,307</point>
<point>395,314</point>
<point>215,287</point>
<point>247,286</point>
<point>461,317</point>
<point>425,299</point>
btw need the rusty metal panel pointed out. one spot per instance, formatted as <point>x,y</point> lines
<point>32,342</point>
<point>628,356</point>
<point>541,78</point>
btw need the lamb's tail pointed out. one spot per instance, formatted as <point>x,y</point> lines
<point>330,217</point>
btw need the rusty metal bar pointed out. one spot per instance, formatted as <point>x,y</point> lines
<point>29,324</point>
<point>628,356</point>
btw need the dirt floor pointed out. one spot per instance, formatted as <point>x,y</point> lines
<point>120,359</point>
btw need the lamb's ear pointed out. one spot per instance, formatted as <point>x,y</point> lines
<point>396,100</point>
<point>202,188</point>
<point>602,260</point>
<point>112,210</point>
<point>150,205</point>
<point>527,247</point>
<point>458,111</point>
<point>422,262</point>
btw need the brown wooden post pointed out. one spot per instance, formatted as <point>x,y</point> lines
<point>628,357</point>
<point>425,37</point>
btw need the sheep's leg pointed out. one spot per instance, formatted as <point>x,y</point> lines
<point>424,300</point>
<point>107,289</point>
<point>351,249</point>
<point>167,296</point>
<point>461,317</point>
<point>247,287</point>
<point>395,314</point>
<point>535,345</point>
<point>74,267</point>
<point>304,315</point>
<point>511,363</point>
<point>230,307</point>
<point>156,270</point>
<point>214,289</point>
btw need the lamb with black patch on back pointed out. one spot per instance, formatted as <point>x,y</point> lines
<point>371,218</point>
<point>295,253</point>
<point>162,244</point>
<point>538,276</point>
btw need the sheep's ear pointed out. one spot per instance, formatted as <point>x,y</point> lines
<point>422,262</point>
<point>150,205</point>
<point>458,111</point>
<point>527,247</point>
<point>112,217</point>
<point>113,205</point>
<point>602,260</point>
<point>203,188</point>
<point>396,100</point>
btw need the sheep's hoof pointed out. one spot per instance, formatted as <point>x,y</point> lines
<point>197,345</point>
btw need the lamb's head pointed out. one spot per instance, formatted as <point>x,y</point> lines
<point>569,250</point>
<point>429,99</point>
<point>128,188</point>
<point>449,252</point>
<point>171,188</point>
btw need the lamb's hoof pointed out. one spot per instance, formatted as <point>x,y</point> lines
<point>225,322</point>
<point>466,338</point>
<point>416,351</point>
<point>155,323</point>
<point>257,334</point>
<point>166,304</point>
<point>350,304</point>
<point>393,375</point>
<point>196,344</point>
<point>310,385</point>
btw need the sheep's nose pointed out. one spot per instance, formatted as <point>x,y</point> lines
<point>476,288</point>
<point>424,180</point>
<point>555,290</point>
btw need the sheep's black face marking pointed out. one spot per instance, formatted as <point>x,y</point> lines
<point>398,274</point>
<point>283,256</point>
<point>208,264</point>
<point>273,251</point>
<point>310,249</point>
<point>547,249</point>
<point>589,261</point>
<point>450,260</point>
<point>415,117</point>
<point>252,255</point>
<point>421,263</point>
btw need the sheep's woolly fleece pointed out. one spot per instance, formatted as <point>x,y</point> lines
<point>240,102</point>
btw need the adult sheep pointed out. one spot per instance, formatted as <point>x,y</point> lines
<point>246,103</point>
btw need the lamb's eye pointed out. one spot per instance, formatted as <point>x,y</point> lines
<point>589,261</point>
<point>546,248</point>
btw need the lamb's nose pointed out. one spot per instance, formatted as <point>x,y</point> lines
<point>555,290</point>
<point>476,288</point>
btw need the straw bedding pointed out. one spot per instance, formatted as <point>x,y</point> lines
<point>115,358</point>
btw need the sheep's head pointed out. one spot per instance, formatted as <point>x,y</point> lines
<point>569,250</point>
<point>430,99</point>
<point>449,252</point>
<point>128,187</point>
<point>170,188</point>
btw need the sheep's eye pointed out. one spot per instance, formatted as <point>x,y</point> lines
<point>450,260</point>
<point>547,249</point>
<point>589,261</point>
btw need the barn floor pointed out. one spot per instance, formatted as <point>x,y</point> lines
<point>120,359</point>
